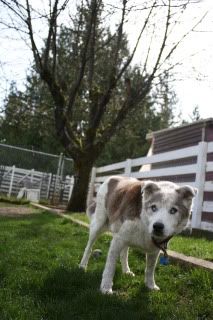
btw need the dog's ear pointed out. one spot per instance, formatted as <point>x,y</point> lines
<point>187,191</point>
<point>149,188</point>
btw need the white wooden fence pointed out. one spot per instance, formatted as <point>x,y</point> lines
<point>13,179</point>
<point>198,170</point>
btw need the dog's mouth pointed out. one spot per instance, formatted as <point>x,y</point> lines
<point>161,243</point>
<point>158,234</point>
<point>161,237</point>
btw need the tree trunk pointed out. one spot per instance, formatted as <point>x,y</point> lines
<point>77,202</point>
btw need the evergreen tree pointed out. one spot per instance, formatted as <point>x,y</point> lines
<point>28,119</point>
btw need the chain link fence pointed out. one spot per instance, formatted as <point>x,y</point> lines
<point>49,174</point>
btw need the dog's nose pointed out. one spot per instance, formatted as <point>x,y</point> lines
<point>158,227</point>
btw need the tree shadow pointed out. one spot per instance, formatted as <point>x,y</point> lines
<point>198,234</point>
<point>74,294</point>
<point>34,226</point>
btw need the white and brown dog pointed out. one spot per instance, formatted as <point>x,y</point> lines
<point>145,214</point>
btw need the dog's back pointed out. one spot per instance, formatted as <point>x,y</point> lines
<point>118,198</point>
<point>123,199</point>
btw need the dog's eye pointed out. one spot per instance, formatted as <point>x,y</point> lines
<point>173,210</point>
<point>154,208</point>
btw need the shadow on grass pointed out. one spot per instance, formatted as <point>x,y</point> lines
<point>74,294</point>
<point>198,234</point>
<point>32,225</point>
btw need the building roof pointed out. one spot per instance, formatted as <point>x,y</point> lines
<point>202,123</point>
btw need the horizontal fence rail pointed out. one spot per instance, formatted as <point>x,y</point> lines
<point>111,167</point>
<point>164,173</point>
<point>208,186</point>
<point>208,206</point>
<point>210,147</point>
<point>166,156</point>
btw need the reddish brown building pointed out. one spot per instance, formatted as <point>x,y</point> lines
<point>181,137</point>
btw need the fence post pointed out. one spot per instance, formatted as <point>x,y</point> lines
<point>49,185</point>
<point>11,181</point>
<point>57,187</point>
<point>60,163</point>
<point>71,187</point>
<point>91,186</point>
<point>128,167</point>
<point>200,184</point>
<point>32,175</point>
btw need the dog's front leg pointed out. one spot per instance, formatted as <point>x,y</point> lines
<point>124,262</point>
<point>151,260</point>
<point>114,251</point>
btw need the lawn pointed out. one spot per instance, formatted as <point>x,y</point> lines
<point>10,201</point>
<point>40,280</point>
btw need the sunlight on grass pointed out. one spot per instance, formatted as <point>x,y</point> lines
<point>192,246</point>
<point>80,216</point>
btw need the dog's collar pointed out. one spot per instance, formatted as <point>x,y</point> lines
<point>162,245</point>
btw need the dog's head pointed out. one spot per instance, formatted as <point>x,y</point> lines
<point>167,207</point>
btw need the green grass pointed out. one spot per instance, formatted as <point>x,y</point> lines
<point>80,216</point>
<point>39,278</point>
<point>12,200</point>
<point>192,246</point>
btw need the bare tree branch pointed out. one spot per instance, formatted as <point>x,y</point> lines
<point>52,25</point>
<point>183,37</point>
<point>76,85</point>
<point>148,52</point>
<point>178,4</point>
<point>10,7</point>
<point>113,80</point>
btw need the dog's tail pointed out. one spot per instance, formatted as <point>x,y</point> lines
<point>91,204</point>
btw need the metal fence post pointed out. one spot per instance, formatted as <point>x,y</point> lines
<point>56,192</point>
<point>60,163</point>
<point>11,181</point>
<point>49,185</point>
<point>200,184</point>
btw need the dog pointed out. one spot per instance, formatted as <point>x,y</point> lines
<point>144,214</point>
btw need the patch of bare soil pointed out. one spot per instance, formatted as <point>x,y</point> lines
<point>15,211</point>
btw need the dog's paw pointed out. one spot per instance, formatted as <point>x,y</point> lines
<point>153,287</point>
<point>82,267</point>
<point>130,273</point>
<point>106,291</point>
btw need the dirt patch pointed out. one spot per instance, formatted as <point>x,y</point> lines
<point>15,211</point>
